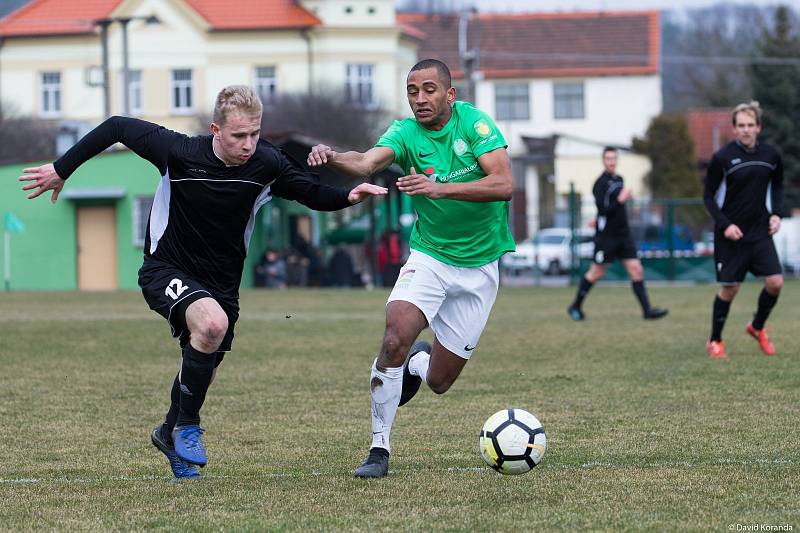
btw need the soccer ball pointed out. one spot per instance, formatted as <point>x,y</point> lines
<point>512,441</point>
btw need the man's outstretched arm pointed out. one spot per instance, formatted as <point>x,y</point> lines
<point>148,140</point>
<point>360,164</point>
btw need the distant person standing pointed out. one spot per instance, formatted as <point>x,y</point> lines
<point>744,193</point>
<point>612,240</point>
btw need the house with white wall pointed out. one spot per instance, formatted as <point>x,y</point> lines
<point>179,53</point>
<point>560,87</point>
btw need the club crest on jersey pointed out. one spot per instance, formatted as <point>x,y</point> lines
<point>482,128</point>
<point>460,147</point>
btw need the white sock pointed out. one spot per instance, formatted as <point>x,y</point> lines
<point>418,365</point>
<point>386,388</point>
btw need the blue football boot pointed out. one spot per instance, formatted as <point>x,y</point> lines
<point>180,468</point>
<point>189,444</point>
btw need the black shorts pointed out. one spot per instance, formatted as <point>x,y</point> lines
<point>734,259</point>
<point>610,249</point>
<point>169,292</point>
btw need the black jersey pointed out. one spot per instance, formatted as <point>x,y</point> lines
<point>744,187</point>
<point>612,219</point>
<point>204,211</point>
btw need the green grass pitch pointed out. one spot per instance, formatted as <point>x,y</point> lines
<point>644,431</point>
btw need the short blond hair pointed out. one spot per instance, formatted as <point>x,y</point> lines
<point>752,107</point>
<point>236,98</point>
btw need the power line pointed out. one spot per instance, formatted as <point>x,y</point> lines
<point>643,59</point>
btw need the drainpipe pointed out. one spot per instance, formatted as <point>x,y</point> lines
<point>2,41</point>
<point>104,24</point>
<point>305,34</point>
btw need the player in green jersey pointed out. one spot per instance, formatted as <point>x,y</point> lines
<point>459,180</point>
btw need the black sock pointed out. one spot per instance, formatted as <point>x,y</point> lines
<point>718,317</point>
<point>641,294</point>
<point>174,407</point>
<point>583,289</point>
<point>379,451</point>
<point>197,370</point>
<point>766,302</point>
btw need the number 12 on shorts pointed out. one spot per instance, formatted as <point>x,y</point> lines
<point>175,289</point>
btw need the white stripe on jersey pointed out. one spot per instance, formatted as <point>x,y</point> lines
<point>220,181</point>
<point>159,213</point>
<point>263,198</point>
<point>769,198</point>
<point>719,196</point>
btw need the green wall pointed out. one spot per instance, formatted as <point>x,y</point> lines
<point>44,256</point>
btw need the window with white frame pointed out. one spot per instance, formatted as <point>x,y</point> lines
<point>135,99</point>
<point>568,100</point>
<point>51,94</point>
<point>141,214</point>
<point>511,101</point>
<point>358,87</point>
<point>182,90</point>
<point>265,84</point>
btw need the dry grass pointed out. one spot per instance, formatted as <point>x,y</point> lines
<point>644,431</point>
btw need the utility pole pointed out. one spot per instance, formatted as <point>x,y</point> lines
<point>467,55</point>
<point>104,24</point>
<point>126,93</point>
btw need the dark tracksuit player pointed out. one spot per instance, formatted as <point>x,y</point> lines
<point>743,193</point>
<point>612,240</point>
<point>197,237</point>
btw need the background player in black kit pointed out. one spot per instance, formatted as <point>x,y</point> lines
<point>743,193</point>
<point>197,236</point>
<point>612,240</point>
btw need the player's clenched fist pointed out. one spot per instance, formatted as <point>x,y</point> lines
<point>320,154</point>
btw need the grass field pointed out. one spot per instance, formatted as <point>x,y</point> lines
<point>644,431</point>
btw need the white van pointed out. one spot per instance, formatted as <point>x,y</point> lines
<point>549,250</point>
<point>787,243</point>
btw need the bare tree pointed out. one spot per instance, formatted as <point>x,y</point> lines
<point>326,116</point>
<point>707,53</point>
<point>25,138</point>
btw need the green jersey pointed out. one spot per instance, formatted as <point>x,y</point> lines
<point>456,232</point>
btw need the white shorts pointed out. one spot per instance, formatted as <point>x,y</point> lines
<point>456,301</point>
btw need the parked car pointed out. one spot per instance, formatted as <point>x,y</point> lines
<point>549,250</point>
<point>651,240</point>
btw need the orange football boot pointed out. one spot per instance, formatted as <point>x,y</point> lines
<point>716,349</point>
<point>763,340</point>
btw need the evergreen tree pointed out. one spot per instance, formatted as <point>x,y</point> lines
<point>776,89</point>
<point>671,151</point>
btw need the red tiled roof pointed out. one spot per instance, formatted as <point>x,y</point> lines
<point>254,14</point>
<point>55,17</point>
<point>710,130</point>
<point>64,17</point>
<point>546,45</point>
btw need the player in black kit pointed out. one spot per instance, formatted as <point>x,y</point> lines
<point>743,193</point>
<point>197,237</point>
<point>612,240</point>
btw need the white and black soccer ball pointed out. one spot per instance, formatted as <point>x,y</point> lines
<point>512,441</point>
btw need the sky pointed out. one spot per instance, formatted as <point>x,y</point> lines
<point>612,5</point>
